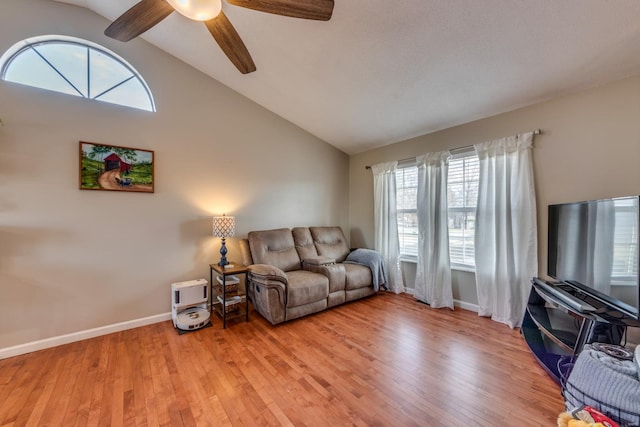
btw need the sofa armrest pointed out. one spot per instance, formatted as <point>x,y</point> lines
<point>263,272</point>
<point>328,267</point>
<point>269,291</point>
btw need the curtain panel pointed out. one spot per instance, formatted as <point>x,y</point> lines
<point>433,271</point>
<point>386,222</point>
<point>506,229</point>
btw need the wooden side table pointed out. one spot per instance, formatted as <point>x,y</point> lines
<point>227,297</point>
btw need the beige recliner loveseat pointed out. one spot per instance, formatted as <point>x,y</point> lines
<point>300,271</point>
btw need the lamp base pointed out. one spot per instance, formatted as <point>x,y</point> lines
<point>223,254</point>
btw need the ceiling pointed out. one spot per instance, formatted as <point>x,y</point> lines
<point>384,71</point>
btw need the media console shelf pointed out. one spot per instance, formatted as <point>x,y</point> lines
<point>554,328</point>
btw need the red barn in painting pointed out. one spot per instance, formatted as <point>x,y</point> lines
<point>113,161</point>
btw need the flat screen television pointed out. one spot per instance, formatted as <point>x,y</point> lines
<point>593,247</point>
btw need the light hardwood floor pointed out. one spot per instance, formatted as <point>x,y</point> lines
<point>386,360</point>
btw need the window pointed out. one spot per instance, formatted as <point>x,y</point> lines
<point>75,67</point>
<point>462,195</point>
<point>625,244</point>
<point>406,197</point>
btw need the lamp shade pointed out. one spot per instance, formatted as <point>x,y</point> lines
<point>198,10</point>
<point>224,226</point>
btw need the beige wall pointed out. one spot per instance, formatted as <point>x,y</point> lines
<point>71,260</point>
<point>589,149</point>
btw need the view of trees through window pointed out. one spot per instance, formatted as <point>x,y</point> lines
<point>406,196</point>
<point>462,196</point>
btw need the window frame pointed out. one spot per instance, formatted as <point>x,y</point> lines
<point>32,43</point>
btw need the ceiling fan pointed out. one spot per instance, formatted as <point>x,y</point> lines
<point>147,13</point>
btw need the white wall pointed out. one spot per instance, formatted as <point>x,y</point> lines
<point>589,149</point>
<point>71,260</point>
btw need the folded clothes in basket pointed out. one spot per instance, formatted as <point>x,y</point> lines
<point>585,416</point>
<point>606,383</point>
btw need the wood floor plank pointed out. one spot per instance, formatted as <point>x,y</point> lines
<point>385,360</point>
<point>78,413</point>
<point>98,397</point>
<point>38,387</point>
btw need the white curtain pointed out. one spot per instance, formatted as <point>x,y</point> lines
<point>506,234</point>
<point>433,271</point>
<point>386,222</point>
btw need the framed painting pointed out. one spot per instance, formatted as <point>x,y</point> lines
<point>115,168</point>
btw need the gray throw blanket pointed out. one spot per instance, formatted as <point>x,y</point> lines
<point>373,260</point>
<point>606,383</point>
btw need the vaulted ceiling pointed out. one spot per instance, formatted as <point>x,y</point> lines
<point>384,71</point>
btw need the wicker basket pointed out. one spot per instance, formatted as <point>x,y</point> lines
<point>231,289</point>
<point>571,393</point>
<point>231,307</point>
<point>234,308</point>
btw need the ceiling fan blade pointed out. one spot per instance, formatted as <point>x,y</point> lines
<point>230,42</point>
<point>319,10</point>
<point>138,19</point>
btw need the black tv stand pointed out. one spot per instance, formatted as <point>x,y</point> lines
<point>556,326</point>
<point>556,291</point>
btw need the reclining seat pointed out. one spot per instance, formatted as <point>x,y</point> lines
<point>330,242</point>
<point>281,289</point>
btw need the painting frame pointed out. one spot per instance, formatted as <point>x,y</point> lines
<point>107,167</point>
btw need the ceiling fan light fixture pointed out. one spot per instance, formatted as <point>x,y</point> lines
<point>198,10</point>
<point>143,15</point>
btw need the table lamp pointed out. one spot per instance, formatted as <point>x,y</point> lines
<point>224,226</point>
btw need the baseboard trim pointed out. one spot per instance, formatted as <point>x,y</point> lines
<point>456,303</point>
<point>81,335</point>
<point>466,305</point>
<point>130,324</point>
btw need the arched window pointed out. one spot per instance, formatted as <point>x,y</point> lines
<point>75,67</point>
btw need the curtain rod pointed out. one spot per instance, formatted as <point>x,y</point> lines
<point>466,147</point>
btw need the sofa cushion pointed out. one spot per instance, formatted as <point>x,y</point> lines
<point>358,276</point>
<point>304,243</point>
<point>306,287</point>
<point>274,247</point>
<point>330,242</point>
